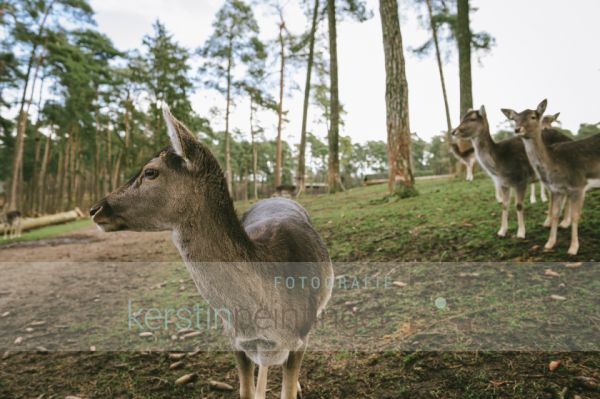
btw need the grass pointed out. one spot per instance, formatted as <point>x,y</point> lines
<point>420,351</point>
<point>50,231</point>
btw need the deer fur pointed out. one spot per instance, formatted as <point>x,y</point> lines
<point>567,168</point>
<point>505,162</point>
<point>466,157</point>
<point>234,263</point>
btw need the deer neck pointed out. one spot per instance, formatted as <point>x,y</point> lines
<point>485,149</point>
<point>213,233</point>
<point>538,155</point>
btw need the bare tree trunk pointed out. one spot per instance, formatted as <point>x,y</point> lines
<point>309,66</point>
<point>23,116</point>
<point>396,99</point>
<point>438,56</point>
<point>280,105</point>
<point>228,174</point>
<point>41,187</point>
<point>333,162</point>
<point>463,39</point>
<point>254,151</point>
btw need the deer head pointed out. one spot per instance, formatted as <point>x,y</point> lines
<point>472,124</point>
<point>528,122</point>
<point>176,185</point>
<point>548,120</point>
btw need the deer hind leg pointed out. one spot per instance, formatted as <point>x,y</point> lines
<point>261,382</point>
<point>246,374</point>
<point>520,195</point>
<point>548,221</point>
<point>532,198</point>
<point>543,195</point>
<point>505,194</point>
<point>291,373</point>
<point>576,202</point>
<point>566,222</point>
<point>556,201</point>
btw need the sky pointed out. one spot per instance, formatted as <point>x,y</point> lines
<point>544,49</point>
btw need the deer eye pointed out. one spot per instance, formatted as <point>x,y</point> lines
<point>533,117</point>
<point>150,174</point>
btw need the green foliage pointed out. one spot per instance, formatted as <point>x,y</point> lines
<point>587,130</point>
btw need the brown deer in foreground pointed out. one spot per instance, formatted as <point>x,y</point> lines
<point>504,161</point>
<point>234,263</point>
<point>568,168</point>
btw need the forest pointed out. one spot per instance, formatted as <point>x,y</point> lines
<point>77,114</point>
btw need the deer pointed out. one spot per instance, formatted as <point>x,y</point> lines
<point>12,224</point>
<point>504,161</point>
<point>234,262</point>
<point>466,157</point>
<point>569,168</point>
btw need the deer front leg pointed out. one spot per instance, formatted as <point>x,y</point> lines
<point>246,374</point>
<point>556,200</point>
<point>532,198</point>
<point>261,383</point>
<point>505,194</point>
<point>576,202</point>
<point>291,372</point>
<point>543,195</point>
<point>469,171</point>
<point>520,195</point>
<point>566,222</point>
<point>548,220</point>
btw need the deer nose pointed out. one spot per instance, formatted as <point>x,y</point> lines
<point>517,130</point>
<point>454,131</point>
<point>94,209</point>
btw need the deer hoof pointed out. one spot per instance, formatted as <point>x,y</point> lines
<point>521,235</point>
<point>548,247</point>
<point>565,224</point>
<point>547,222</point>
<point>573,250</point>
<point>502,233</point>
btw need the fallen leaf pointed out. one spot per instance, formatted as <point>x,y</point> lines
<point>557,297</point>
<point>551,273</point>
<point>553,365</point>
<point>92,348</point>
<point>573,265</point>
<point>186,379</point>
<point>400,284</point>
<point>176,356</point>
<point>146,334</point>
<point>5,314</point>
<point>220,386</point>
<point>18,340</point>
<point>176,365</point>
<point>588,383</point>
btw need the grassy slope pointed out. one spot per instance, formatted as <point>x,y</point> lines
<point>449,221</point>
<point>49,231</point>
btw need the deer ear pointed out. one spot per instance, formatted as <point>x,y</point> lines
<point>482,111</point>
<point>555,116</point>
<point>509,113</point>
<point>182,140</point>
<point>542,107</point>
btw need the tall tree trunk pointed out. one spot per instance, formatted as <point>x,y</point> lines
<point>254,151</point>
<point>463,38</point>
<point>396,99</point>
<point>438,57</point>
<point>228,174</point>
<point>23,116</point>
<point>280,105</point>
<point>333,162</point>
<point>309,66</point>
<point>41,191</point>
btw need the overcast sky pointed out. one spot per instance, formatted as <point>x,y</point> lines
<point>544,49</point>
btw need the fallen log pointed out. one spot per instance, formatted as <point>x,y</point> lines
<point>48,220</point>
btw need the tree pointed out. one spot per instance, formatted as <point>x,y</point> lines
<point>333,163</point>
<point>167,80</point>
<point>463,40</point>
<point>396,97</point>
<point>36,14</point>
<point>233,29</point>
<point>587,130</point>
<point>310,60</point>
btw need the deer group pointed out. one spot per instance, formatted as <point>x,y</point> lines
<point>565,167</point>
<point>235,263</point>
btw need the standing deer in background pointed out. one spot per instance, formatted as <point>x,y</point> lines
<point>183,190</point>
<point>12,224</point>
<point>466,157</point>
<point>505,162</point>
<point>547,122</point>
<point>567,168</point>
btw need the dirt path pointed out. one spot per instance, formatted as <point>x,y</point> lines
<point>71,280</point>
